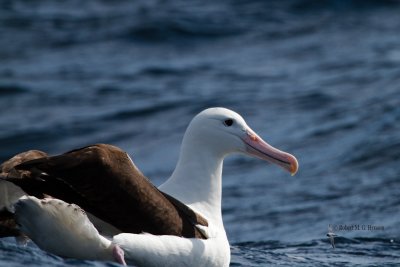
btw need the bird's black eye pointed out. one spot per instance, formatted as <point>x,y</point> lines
<point>228,122</point>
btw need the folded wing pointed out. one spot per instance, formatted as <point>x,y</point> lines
<point>103,180</point>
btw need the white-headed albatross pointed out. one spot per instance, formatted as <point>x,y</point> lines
<point>178,224</point>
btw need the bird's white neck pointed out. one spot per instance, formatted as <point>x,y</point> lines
<point>197,179</point>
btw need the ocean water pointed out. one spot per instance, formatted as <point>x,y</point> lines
<point>319,79</point>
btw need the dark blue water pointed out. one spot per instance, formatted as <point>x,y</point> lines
<point>319,79</point>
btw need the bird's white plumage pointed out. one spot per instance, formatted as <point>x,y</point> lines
<point>196,181</point>
<point>207,141</point>
<point>62,229</point>
<point>151,250</point>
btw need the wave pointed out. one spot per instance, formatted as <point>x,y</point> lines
<point>339,5</point>
<point>146,111</point>
<point>12,89</point>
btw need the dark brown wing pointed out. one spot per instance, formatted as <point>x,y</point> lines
<point>7,167</point>
<point>103,180</point>
<point>7,223</point>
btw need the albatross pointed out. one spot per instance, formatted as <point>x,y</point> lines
<point>118,214</point>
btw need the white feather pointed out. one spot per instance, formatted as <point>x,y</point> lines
<point>172,251</point>
<point>62,229</point>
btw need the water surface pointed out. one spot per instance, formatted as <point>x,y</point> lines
<point>319,79</point>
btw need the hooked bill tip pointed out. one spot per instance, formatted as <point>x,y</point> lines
<point>294,166</point>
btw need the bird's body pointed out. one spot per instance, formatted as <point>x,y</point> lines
<point>183,215</point>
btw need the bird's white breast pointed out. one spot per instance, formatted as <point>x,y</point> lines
<point>150,250</point>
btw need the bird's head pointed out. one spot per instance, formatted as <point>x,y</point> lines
<point>223,131</point>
